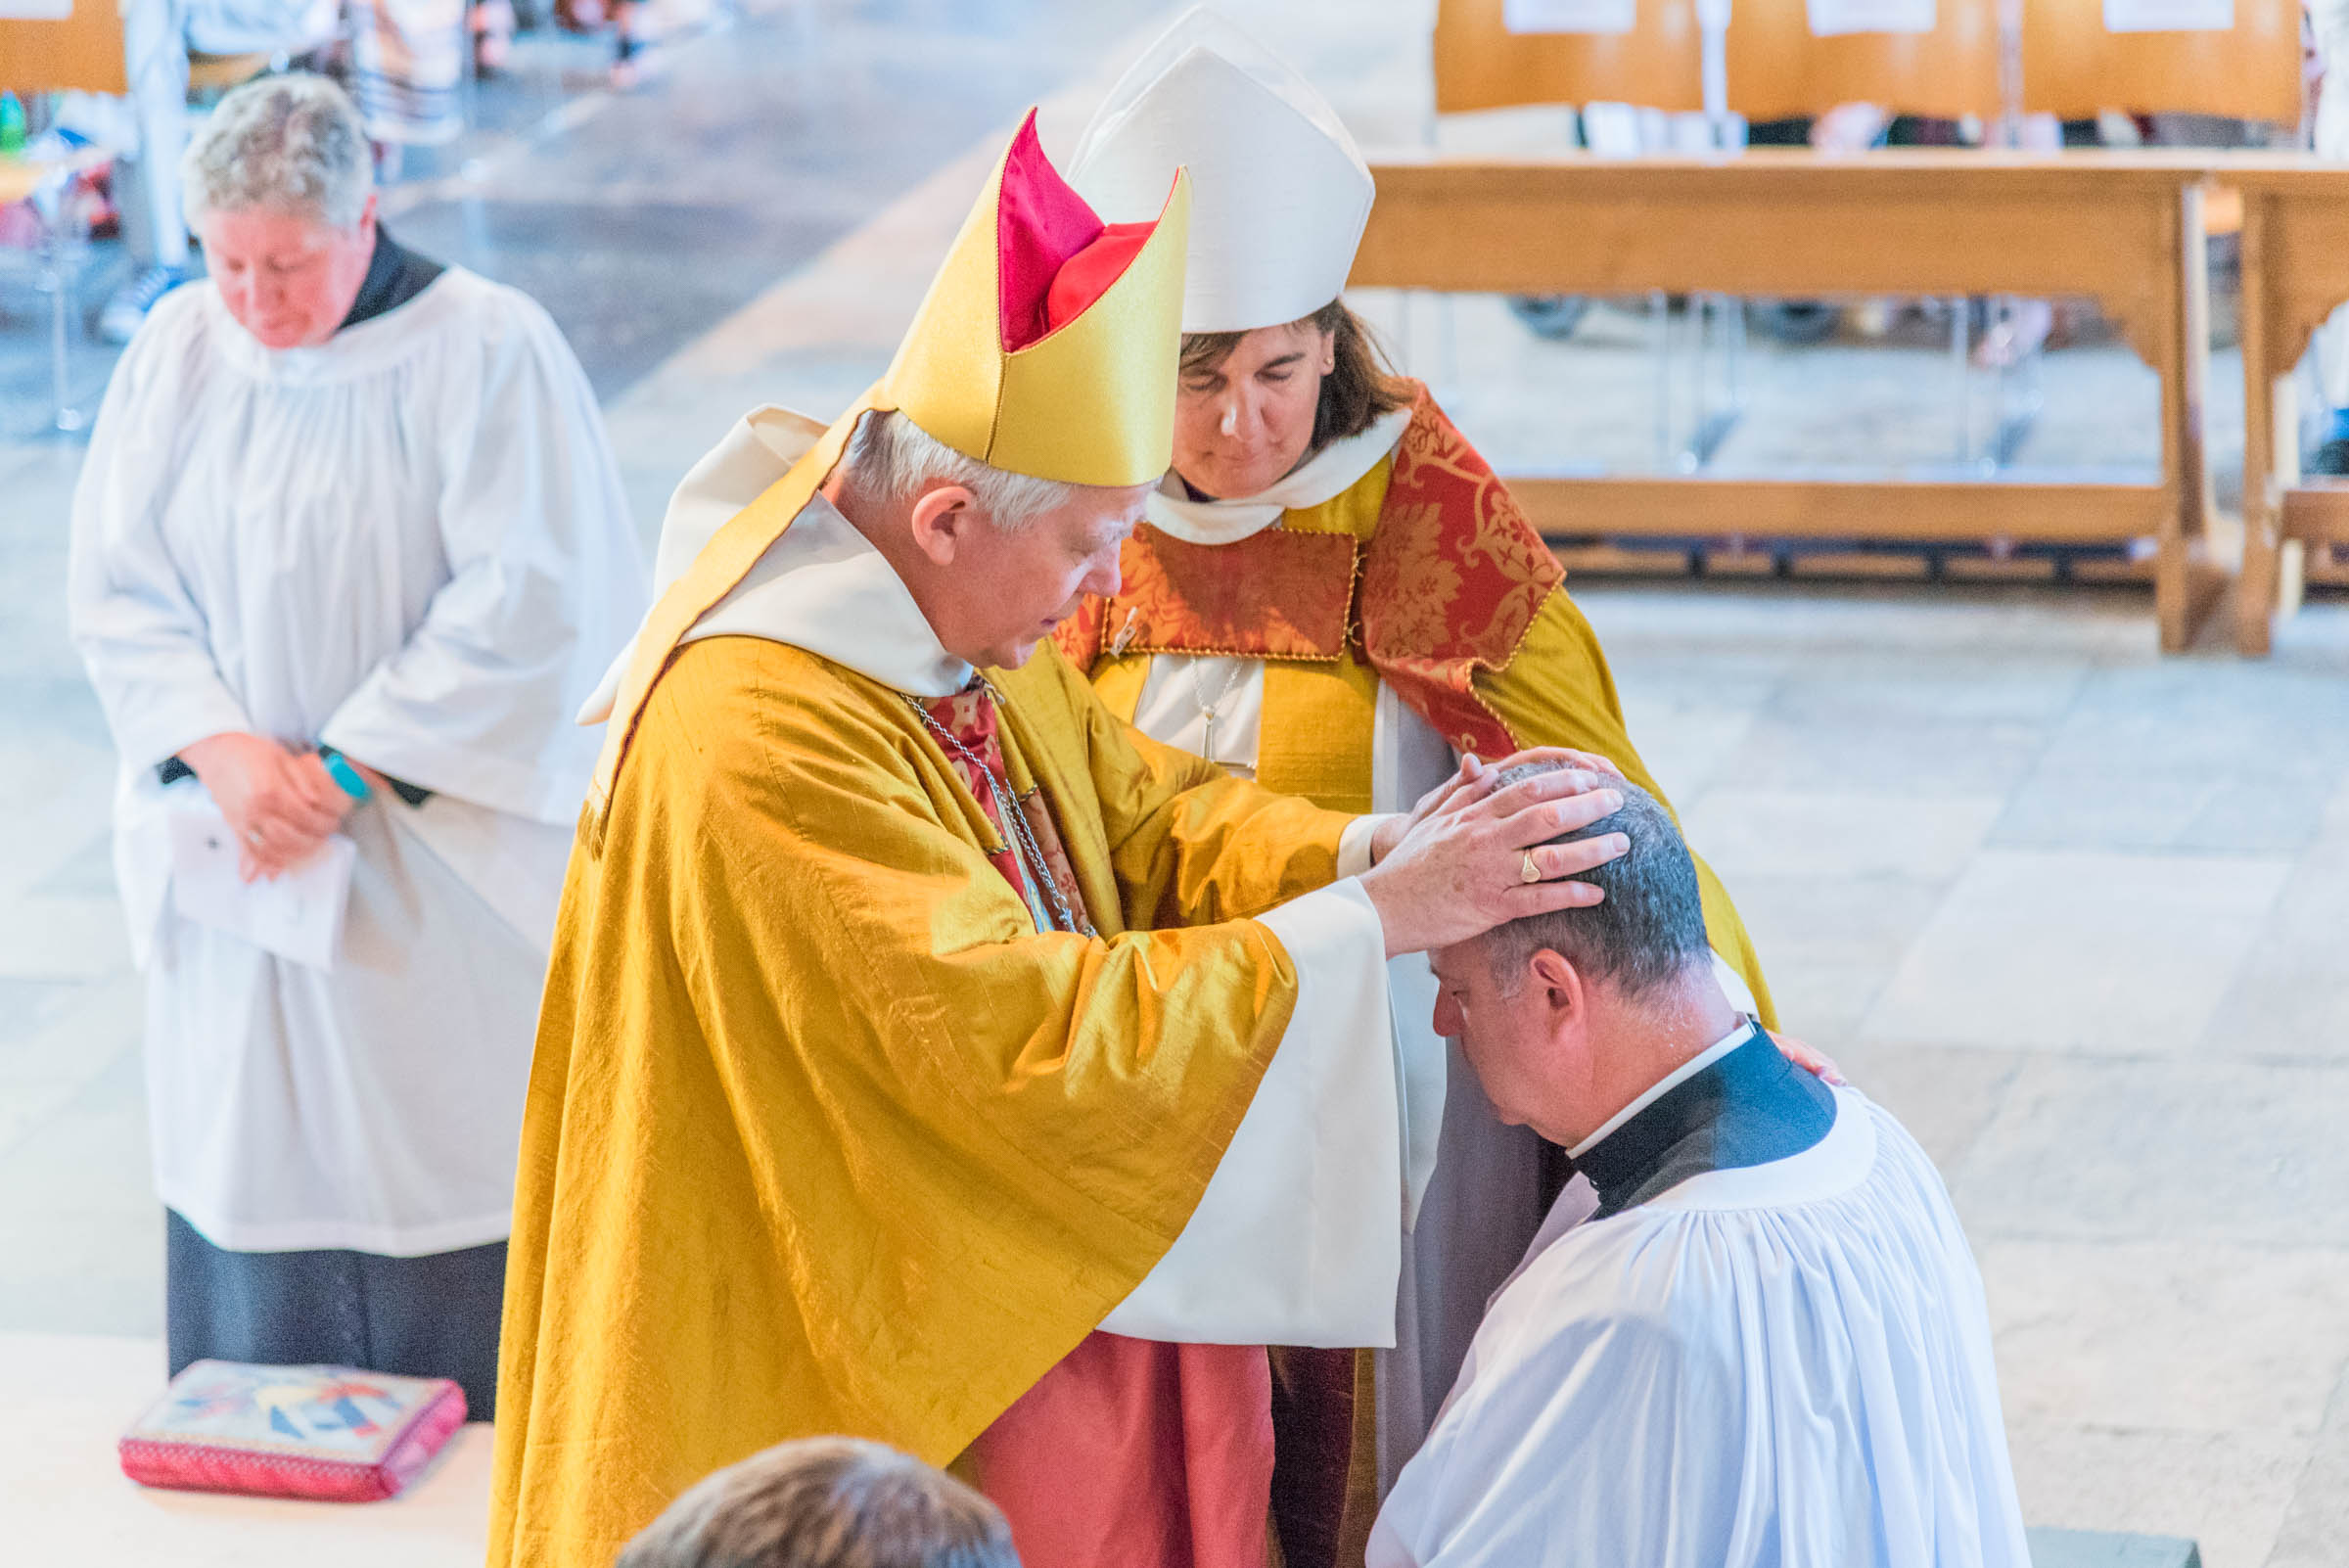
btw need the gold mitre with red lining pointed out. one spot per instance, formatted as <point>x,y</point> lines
<point>1049,342</point>
<point>1047,346</point>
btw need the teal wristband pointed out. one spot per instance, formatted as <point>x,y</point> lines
<point>347,777</point>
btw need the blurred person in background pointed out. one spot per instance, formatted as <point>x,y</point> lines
<point>407,63</point>
<point>349,550</point>
<point>1333,594</point>
<point>826,1502</point>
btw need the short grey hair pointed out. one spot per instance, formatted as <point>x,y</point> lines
<point>289,144</point>
<point>891,458</point>
<point>1650,929</point>
<point>826,1502</point>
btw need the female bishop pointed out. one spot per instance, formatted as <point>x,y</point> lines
<point>1333,594</point>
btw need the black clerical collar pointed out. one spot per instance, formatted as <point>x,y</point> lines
<point>395,275</point>
<point>1747,1107</point>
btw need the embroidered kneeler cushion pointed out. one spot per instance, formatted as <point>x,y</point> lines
<point>329,1433</point>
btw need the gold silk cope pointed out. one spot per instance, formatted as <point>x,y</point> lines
<point>823,1134</point>
<point>1320,706</point>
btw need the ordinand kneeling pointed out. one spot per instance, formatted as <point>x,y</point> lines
<point>1751,1330</point>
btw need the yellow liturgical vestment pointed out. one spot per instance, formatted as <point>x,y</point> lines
<point>828,1131</point>
<point>823,1134</point>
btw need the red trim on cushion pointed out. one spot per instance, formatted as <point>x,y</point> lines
<point>1040,223</point>
<point>196,1465</point>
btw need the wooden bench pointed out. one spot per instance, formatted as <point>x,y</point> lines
<point>2295,250</point>
<point>2111,227</point>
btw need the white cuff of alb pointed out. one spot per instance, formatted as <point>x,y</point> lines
<point>1353,845</point>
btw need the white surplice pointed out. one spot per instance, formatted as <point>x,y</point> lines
<point>1298,1238</point>
<point>1788,1364</point>
<point>409,544</point>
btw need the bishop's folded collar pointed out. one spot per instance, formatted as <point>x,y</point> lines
<point>1747,1106</point>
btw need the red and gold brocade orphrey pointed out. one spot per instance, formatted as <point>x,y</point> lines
<point>1446,586</point>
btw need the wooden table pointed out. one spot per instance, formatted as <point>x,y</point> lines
<point>2110,226</point>
<point>2295,241</point>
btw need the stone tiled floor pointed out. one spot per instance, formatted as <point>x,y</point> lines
<point>2078,914</point>
<point>2121,1042</point>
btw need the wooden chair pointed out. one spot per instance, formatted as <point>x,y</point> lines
<point>81,54</point>
<point>1778,69</point>
<point>2073,68</point>
<point>1481,65</point>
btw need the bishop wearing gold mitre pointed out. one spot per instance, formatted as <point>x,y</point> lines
<point>927,1055</point>
<point>1334,595</point>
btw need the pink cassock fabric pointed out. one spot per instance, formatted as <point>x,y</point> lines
<point>1138,1455</point>
<point>1129,1454</point>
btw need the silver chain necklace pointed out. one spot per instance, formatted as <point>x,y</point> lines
<point>1030,852</point>
<point>1210,706</point>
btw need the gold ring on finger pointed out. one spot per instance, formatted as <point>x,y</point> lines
<point>1527,871</point>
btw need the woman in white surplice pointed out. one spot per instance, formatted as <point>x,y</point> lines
<point>349,550</point>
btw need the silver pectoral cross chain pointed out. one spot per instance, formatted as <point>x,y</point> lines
<point>1208,706</point>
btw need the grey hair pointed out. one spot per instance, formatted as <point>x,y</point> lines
<point>1650,929</point>
<point>826,1502</point>
<point>891,458</point>
<point>289,144</point>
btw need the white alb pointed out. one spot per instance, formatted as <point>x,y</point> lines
<point>410,543</point>
<point>1785,1364</point>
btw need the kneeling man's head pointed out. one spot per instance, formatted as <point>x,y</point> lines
<point>1567,1017</point>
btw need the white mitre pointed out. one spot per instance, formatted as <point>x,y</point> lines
<point>1280,192</point>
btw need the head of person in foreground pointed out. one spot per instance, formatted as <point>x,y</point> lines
<point>1567,1017</point>
<point>281,187</point>
<point>826,1502</point>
